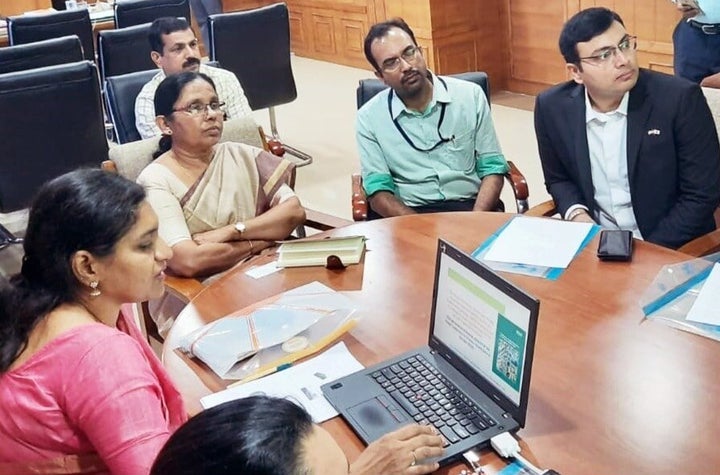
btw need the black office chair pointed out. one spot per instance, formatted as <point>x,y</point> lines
<point>124,50</point>
<point>120,94</point>
<point>137,12</point>
<point>255,45</point>
<point>368,88</point>
<point>30,28</point>
<point>66,130</point>
<point>40,54</point>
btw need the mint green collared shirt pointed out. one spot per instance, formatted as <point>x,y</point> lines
<point>453,170</point>
<point>711,11</point>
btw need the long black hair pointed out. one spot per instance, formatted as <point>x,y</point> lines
<point>167,94</point>
<point>257,435</point>
<point>87,210</point>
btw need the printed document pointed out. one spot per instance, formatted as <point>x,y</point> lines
<point>704,310</point>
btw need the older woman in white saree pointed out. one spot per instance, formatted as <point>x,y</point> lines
<point>216,203</point>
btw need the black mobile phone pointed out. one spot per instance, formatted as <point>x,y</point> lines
<point>615,245</point>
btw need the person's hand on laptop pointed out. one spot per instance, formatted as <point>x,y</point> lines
<point>403,451</point>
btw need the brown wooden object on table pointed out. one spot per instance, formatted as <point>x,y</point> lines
<point>610,392</point>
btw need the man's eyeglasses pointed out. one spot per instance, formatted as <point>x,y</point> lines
<point>410,55</point>
<point>606,56</point>
<point>197,109</point>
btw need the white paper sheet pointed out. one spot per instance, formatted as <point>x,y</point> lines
<point>538,242</point>
<point>263,270</point>
<point>300,383</point>
<point>704,310</point>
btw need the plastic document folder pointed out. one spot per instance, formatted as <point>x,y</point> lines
<point>315,252</point>
<point>675,291</point>
<point>551,273</point>
<point>280,330</point>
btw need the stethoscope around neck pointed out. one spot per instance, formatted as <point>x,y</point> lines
<point>442,140</point>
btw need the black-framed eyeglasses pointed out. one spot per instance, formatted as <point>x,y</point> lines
<point>607,55</point>
<point>197,109</point>
<point>409,55</point>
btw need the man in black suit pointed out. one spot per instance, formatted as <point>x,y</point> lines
<point>625,147</point>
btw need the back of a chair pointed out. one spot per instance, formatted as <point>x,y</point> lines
<point>255,45</point>
<point>120,94</point>
<point>129,159</point>
<point>137,12</point>
<point>368,88</point>
<point>30,28</point>
<point>40,54</point>
<point>712,96</point>
<point>66,131</point>
<point>124,50</point>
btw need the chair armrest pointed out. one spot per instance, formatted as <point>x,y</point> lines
<point>359,200</point>
<point>109,166</point>
<point>272,144</point>
<point>703,245</point>
<point>519,186</point>
<point>323,221</point>
<point>182,287</point>
<point>543,209</point>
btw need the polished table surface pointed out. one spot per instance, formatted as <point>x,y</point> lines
<point>610,391</point>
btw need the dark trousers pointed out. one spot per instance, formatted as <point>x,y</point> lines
<point>441,207</point>
<point>697,54</point>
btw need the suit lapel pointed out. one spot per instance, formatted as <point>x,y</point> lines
<point>638,114</point>
<point>576,121</point>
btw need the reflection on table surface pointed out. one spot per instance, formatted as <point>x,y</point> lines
<point>610,392</point>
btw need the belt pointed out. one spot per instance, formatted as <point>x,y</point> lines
<point>707,28</point>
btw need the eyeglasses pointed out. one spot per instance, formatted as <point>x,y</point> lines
<point>607,55</point>
<point>197,109</point>
<point>410,55</point>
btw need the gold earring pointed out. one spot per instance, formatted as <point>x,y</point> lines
<point>95,292</point>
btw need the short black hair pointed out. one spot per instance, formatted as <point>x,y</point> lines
<point>164,26</point>
<point>381,29</point>
<point>584,26</point>
<point>257,435</point>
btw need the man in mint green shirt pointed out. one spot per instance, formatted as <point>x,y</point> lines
<point>426,143</point>
<point>696,41</point>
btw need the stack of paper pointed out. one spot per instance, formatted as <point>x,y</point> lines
<point>314,252</point>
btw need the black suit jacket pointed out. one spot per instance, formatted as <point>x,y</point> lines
<point>674,176</point>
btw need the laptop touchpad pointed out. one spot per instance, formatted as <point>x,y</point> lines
<point>376,417</point>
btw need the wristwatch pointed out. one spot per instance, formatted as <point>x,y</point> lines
<point>240,227</point>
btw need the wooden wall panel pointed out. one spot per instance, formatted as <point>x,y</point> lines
<point>16,7</point>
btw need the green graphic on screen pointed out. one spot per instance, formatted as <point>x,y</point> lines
<point>508,356</point>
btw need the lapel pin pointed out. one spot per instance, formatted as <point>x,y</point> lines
<point>653,132</point>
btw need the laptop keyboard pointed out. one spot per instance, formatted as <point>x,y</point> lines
<point>430,398</point>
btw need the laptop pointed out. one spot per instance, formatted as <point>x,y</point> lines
<point>471,381</point>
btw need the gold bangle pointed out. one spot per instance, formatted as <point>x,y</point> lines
<point>251,245</point>
<point>575,213</point>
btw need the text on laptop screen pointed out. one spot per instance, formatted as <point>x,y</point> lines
<point>481,324</point>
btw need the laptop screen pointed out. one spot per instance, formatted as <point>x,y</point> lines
<point>486,322</point>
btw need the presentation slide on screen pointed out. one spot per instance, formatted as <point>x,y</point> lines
<point>483,325</point>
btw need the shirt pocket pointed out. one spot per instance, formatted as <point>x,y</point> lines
<point>459,152</point>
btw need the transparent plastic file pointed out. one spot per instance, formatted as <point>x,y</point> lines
<point>290,326</point>
<point>674,291</point>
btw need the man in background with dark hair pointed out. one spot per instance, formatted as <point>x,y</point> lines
<point>427,143</point>
<point>175,49</point>
<point>625,147</point>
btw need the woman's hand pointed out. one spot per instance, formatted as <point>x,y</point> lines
<point>403,451</point>
<point>224,234</point>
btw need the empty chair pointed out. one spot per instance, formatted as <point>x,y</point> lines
<point>30,28</point>
<point>124,50</point>
<point>120,94</point>
<point>255,45</point>
<point>66,49</point>
<point>64,131</point>
<point>137,12</point>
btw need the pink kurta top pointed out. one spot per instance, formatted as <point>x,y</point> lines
<point>92,391</point>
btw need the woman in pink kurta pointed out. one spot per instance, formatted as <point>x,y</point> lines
<point>80,389</point>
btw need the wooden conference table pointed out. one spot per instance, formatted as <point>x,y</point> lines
<point>610,393</point>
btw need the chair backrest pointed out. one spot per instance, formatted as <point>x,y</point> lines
<point>368,88</point>
<point>129,159</point>
<point>120,94</point>
<point>255,45</point>
<point>30,28</point>
<point>40,54</point>
<point>137,12</point>
<point>712,96</point>
<point>124,50</point>
<point>66,130</point>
